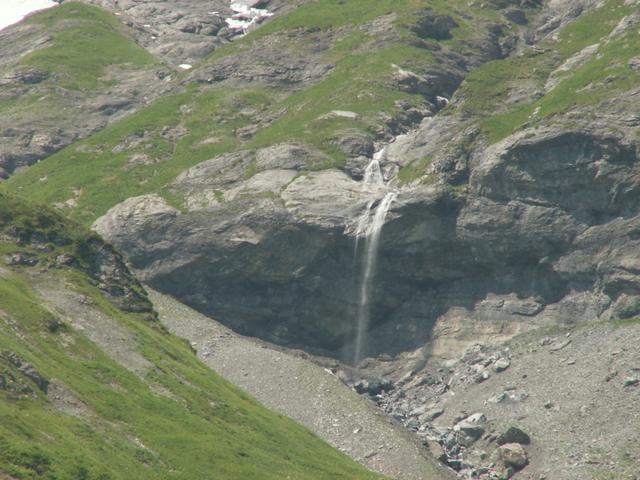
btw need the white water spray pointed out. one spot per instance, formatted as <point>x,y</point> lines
<point>372,181</point>
<point>373,173</point>
<point>370,228</point>
<point>369,271</point>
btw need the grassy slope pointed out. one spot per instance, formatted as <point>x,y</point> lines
<point>86,42</point>
<point>359,82</point>
<point>202,428</point>
<point>604,76</point>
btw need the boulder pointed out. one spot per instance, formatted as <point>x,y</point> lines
<point>355,144</point>
<point>473,427</point>
<point>513,455</point>
<point>501,365</point>
<point>513,435</point>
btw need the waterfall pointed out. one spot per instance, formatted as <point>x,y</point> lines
<point>370,228</point>
<point>373,174</point>
<point>373,180</point>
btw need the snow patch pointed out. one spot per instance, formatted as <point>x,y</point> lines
<point>12,11</point>
<point>185,66</point>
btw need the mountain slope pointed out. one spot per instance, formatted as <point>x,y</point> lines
<point>425,175</point>
<point>283,83</point>
<point>290,383</point>
<point>65,73</point>
<point>269,141</point>
<point>88,390</point>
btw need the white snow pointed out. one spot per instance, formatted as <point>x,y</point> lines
<point>185,66</point>
<point>12,11</point>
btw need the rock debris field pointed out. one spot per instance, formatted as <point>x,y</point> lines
<point>538,407</point>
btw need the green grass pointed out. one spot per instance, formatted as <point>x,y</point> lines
<point>485,89</point>
<point>414,171</point>
<point>86,40</point>
<point>201,427</point>
<point>332,14</point>
<point>28,223</point>
<point>603,77</point>
<point>627,322</point>
<point>358,83</point>
<point>104,173</point>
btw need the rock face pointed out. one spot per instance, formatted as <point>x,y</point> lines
<point>185,30</point>
<point>542,234</point>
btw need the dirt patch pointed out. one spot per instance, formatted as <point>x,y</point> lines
<point>63,399</point>
<point>79,311</point>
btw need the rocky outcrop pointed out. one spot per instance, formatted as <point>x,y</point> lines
<point>542,234</point>
<point>545,415</point>
<point>20,376</point>
<point>183,32</point>
<point>43,240</point>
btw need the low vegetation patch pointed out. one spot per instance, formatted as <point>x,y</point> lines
<point>86,40</point>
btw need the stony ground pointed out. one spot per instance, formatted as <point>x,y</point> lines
<point>574,392</point>
<point>290,383</point>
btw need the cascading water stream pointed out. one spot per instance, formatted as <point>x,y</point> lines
<point>368,273</point>
<point>372,180</point>
<point>373,174</point>
<point>371,229</point>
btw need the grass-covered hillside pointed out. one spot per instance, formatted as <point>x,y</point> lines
<point>324,72</point>
<point>89,390</point>
<point>86,41</point>
<point>378,68</point>
<point>65,73</point>
<point>589,62</point>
